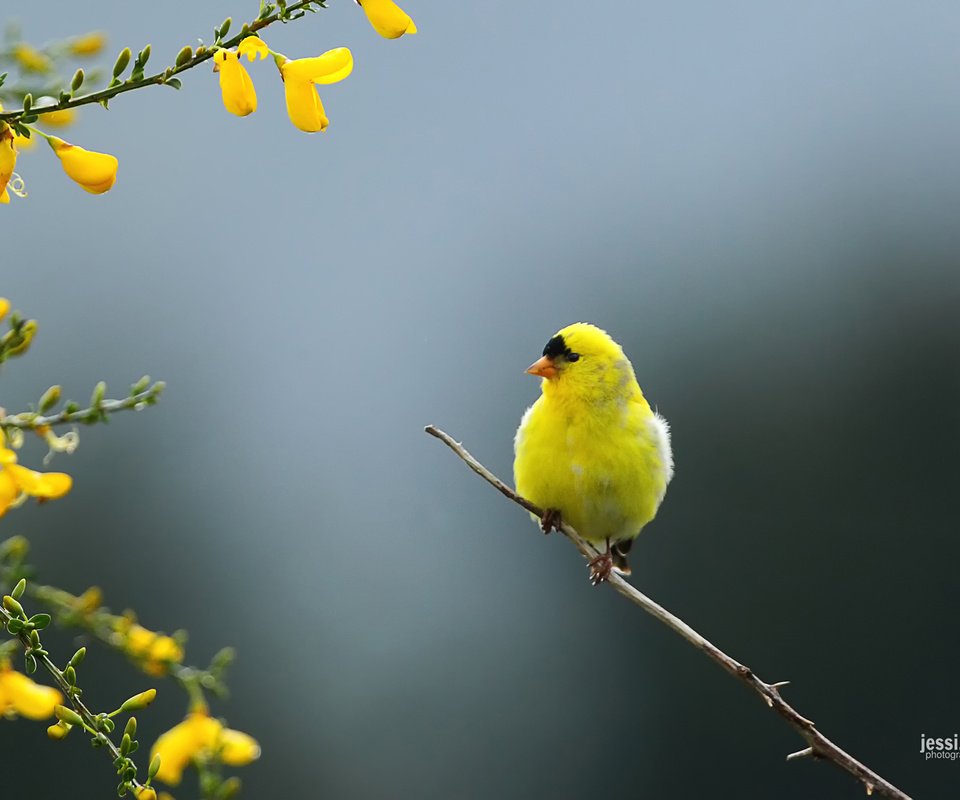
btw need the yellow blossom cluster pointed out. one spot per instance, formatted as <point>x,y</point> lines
<point>32,59</point>
<point>300,76</point>
<point>155,652</point>
<point>200,736</point>
<point>20,696</point>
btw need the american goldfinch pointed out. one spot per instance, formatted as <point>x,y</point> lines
<point>590,450</point>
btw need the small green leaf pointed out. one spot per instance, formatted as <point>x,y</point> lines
<point>40,621</point>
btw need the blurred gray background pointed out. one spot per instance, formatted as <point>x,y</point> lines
<point>759,201</point>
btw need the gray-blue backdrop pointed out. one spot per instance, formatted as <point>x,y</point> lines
<point>760,201</point>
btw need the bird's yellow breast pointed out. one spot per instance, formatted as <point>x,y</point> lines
<point>605,468</point>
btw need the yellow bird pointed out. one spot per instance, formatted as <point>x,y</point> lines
<point>590,450</point>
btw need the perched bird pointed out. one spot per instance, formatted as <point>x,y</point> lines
<point>590,450</point>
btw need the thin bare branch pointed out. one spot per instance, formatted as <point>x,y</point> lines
<point>819,746</point>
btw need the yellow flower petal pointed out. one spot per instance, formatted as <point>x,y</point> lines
<point>239,94</point>
<point>387,18</point>
<point>27,698</point>
<point>8,492</point>
<point>182,743</point>
<point>331,67</point>
<point>31,59</point>
<point>94,172</point>
<point>59,119</point>
<point>90,600</point>
<point>89,44</point>
<point>8,158</point>
<point>46,485</point>
<point>155,650</point>
<point>253,48</point>
<point>4,307</point>
<point>303,106</point>
<point>5,197</point>
<point>237,748</point>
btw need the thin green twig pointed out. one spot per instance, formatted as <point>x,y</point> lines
<point>70,692</point>
<point>29,420</point>
<point>203,53</point>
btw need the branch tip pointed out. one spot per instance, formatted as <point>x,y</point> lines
<point>820,745</point>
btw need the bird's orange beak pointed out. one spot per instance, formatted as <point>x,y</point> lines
<point>543,368</point>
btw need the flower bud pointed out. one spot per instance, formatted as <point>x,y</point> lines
<point>68,715</point>
<point>122,60</point>
<point>141,700</point>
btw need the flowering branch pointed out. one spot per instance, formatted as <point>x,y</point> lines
<point>188,59</point>
<point>818,745</point>
<point>99,726</point>
<point>114,631</point>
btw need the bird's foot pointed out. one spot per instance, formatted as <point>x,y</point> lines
<point>600,568</point>
<point>550,521</point>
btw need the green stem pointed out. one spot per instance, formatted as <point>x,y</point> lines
<point>31,421</point>
<point>89,719</point>
<point>161,78</point>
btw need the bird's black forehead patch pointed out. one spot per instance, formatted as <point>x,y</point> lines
<point>556,347</point>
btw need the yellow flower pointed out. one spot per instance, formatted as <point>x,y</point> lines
<point>4,307</point>
<point>253,48</point>
<point>89,601</point>
<point>31,59</point>
<point>8,160</point>
<point>387,18</point>
<point>201,735</point>
<point>299,77</point>
<point>59,119</point>
<point>20,695</point>
<point>155,651</point>
<point>239,95</point>
<point>89,44</point>
<point>95,172</point>
<point>146,793</point>
<point>17,483</point>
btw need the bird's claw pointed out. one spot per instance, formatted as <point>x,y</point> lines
<point>550,521</point>
<point>600,568</point>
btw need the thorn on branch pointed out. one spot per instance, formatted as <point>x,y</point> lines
<point>807,752</point>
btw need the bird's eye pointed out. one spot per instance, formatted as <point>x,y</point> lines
<point>573,357</point>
